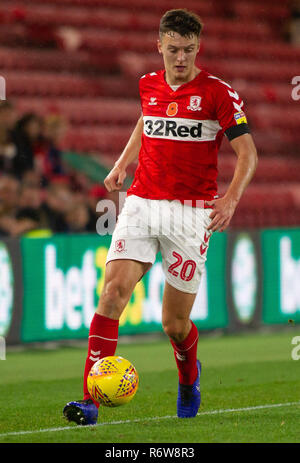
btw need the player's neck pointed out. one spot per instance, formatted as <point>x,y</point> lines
<point>173,80</point>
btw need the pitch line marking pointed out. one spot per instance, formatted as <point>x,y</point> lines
<point>153,418</point>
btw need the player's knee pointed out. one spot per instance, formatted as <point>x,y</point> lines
<point>112,300</point>
<point>175,330</point>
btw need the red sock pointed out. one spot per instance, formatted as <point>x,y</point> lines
<point>186,356</point>
<point>103,339</point>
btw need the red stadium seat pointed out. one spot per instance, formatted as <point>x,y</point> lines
<point>97,139</point>
<point>134,64</point>
<point>80,16</point>
<point>57,60</point>
<point>220,47</point>
<point>85,112</point>
<point>268,206</point>
<point>50,84</point>
<point>35,83</point>
<point>272,170</point>
<point>286,117</point>
<point>260,92</point>
<point>229,28</point>
<point>261,11</point>
<point>134,5</point>
<point>138,15</point>
<point>95,86</point>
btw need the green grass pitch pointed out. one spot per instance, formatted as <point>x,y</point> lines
<point>239,372</point>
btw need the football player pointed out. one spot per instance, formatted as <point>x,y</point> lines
<point>185,113</point>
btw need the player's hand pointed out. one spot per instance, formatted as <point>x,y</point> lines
<point>223,210</point>
<point>115,179</point>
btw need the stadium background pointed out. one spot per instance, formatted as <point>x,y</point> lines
<point>74,67</point>
<point>71,69</point>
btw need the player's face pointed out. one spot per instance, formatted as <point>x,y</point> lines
<point>179,54</point>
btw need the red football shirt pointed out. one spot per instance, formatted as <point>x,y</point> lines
<point>183,130</point>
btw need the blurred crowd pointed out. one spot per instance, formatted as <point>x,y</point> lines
<point>37,191</point>
<point>293,27</point>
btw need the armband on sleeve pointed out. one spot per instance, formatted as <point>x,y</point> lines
<point>237,130</point>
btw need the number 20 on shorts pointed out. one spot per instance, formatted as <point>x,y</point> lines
<point>187,270</point>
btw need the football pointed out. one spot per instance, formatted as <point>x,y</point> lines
<point>112,381</point>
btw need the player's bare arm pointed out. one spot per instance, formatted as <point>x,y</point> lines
<point>115,179</point>
<point>223,208</point>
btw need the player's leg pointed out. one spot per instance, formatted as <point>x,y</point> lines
<point>121,277</point>
<point>184,254</point>
<point>183,334</point>
<point>132,252</point>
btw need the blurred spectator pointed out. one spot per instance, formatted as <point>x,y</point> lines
<point>9,199</point>
<point>10,223</point>
<point>31,207</point>
<point>54,129</point>
<point>25,206</point>
<point>95,194</point>
<point>26,136</point>
<point>80,182</point>
<point>37,191</point>
<point>73,212</point>
<point>59,201</point>
<point>293,27</point>
<point>32,178</point>
<point>7,147</point>
<point>78,218</point>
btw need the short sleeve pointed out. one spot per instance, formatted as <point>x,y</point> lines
<point>229,111</point>
<point>141,89</point>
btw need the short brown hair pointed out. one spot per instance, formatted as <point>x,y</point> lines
<point>184,22</point>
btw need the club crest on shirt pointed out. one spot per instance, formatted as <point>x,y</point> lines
<point>195,102</point>
<point>120,245</point>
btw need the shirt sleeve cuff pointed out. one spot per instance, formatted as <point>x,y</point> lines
<point>236,131</point>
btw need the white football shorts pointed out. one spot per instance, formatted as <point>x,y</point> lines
<point>179,231</point>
